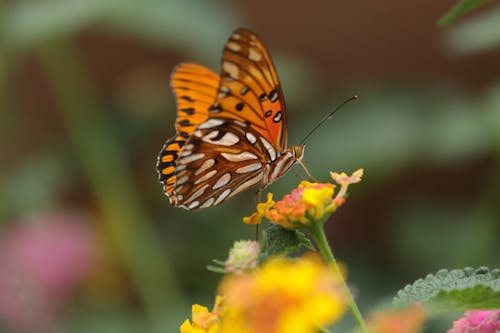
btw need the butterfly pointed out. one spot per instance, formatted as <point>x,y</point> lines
<point>231,129</point>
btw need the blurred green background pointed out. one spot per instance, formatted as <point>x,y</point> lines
<point>85,107</point>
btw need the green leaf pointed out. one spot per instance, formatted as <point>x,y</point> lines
<point>459,9</point>
<point>190,26</point>
<point>281,241</point>
<point>458,289</point>
<point>478,34</point>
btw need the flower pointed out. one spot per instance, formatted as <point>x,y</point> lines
<point>344,181</point>
<point>307,203</point>
<point>242,256</point>
<point>477,321</point>
<point>43,259</point>
<point>262,209</point>
<point>283,296</point>
<point>204,321</point>
<point>408,320</point>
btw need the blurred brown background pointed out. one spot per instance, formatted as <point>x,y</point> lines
<point>85,107</point>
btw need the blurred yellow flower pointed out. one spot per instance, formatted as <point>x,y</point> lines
<point>409,320</point>
<point>204,321</point>
<point>283,296</point>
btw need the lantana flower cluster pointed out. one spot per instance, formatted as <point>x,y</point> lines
<point>478,321</point>
<point>281,296</point>
<point>308,203</point>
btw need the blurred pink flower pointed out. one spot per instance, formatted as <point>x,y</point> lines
<point>477,321</point>
<point>42,261</point>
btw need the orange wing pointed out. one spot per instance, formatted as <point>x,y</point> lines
<point>249,88</point>
<point>195,87</point>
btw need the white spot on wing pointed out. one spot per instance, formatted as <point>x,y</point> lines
<point>181,180</point>
<point>197,133</point>
<point>233,46</point>
<point>179,168</point>
<point>206,165</point>
<point>249,168</point>
<point>270,149</point>
<point>223,180</point>
<point>191,158</point>
<point>228,139</point>
<point>196,194</point>
<point>244,156</point>
<point>251,137</point>
<point>222,196</point>
<point>210,123</point>
<point>207,203</point>
<point>208,175</point>
<point>248,183</point>
<point>254,54</point>
<point>231,69</point>
<point>185,153</point>
<point>194,204</point>
<point>277,117</point>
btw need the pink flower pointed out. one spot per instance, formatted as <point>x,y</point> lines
<point>477,321</point>
<point>42,261</point>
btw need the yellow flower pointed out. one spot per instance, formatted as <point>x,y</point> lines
<point>262,209</point>
<point>204,321</point>
<point>283,296</point>
<point>408,320</point>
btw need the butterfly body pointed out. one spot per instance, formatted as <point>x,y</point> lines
<point>231,129</point>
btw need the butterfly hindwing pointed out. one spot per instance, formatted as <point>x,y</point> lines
<point>195,87</point>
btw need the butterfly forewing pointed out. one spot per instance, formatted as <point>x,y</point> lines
<point>248,74</point>
<point>229,128</point>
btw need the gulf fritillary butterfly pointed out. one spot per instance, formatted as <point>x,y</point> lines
<point>231,130</point>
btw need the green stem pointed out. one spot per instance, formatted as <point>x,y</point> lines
<point>319,236</point>
<point>323,330</point>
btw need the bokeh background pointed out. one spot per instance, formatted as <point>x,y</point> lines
<point>88,241</point>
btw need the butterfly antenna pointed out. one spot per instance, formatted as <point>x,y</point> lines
<point>325,118</point>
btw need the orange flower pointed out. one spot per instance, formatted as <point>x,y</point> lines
<point>283,296</point>
<point>308,203</point>
<point>409,320</point>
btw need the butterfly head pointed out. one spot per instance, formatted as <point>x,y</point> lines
<point>298,152</point>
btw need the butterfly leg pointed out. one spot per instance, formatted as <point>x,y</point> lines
<point>258,200</point>
<point>302,164</point>
<point>298,174</point>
